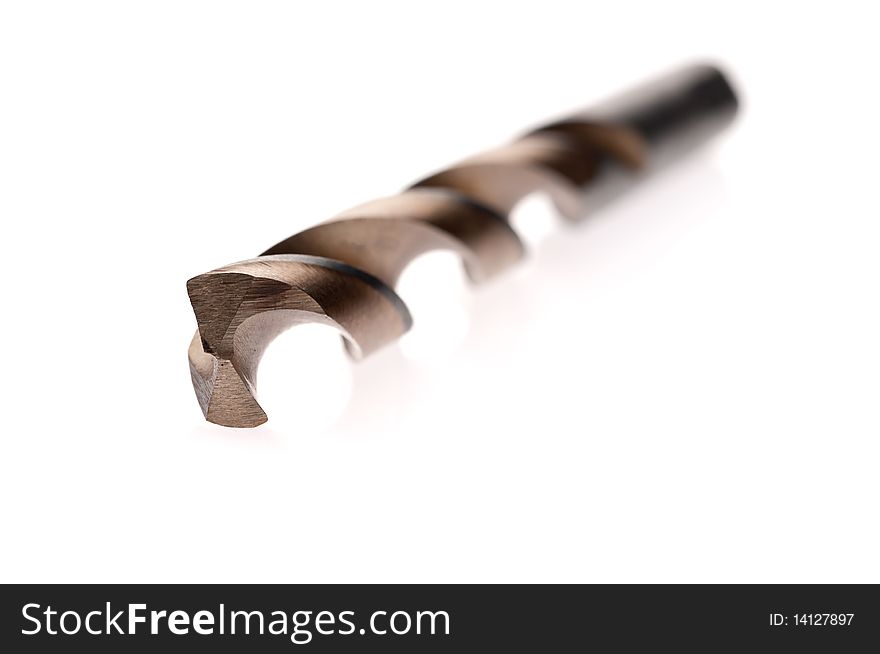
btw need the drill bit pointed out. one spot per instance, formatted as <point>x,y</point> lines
<point>342,272</point>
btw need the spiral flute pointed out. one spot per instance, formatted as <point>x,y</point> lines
<point>342,272</point>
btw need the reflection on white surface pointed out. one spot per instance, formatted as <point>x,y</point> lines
<point>434,289</point>
<point>305,378</point>
<point>535,219</point>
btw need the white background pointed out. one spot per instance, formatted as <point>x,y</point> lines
<point>685,388</point>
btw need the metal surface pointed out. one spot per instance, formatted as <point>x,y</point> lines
<point>342,272</point>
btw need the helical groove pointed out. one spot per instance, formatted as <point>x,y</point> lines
<point>342,272</point>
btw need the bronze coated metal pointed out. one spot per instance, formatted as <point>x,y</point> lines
<point>342,272</point>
